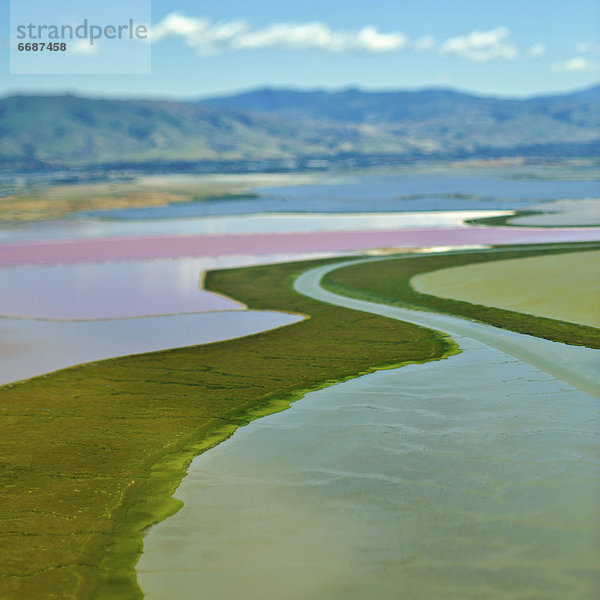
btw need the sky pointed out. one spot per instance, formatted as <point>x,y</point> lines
<point>199,49</point>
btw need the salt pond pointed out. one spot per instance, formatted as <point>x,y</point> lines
<point>82,228</point>
<point>108,290</point>
<point>32,347</point>
<point>220,245</point>
<point>116,290</point>
<point>473,477</point>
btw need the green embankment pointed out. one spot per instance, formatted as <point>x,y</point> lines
<point>91,454</point>
<point>510,220</point>
<point>502,220</point>
<point>388,281</point>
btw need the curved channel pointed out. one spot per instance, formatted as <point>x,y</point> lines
<point>575,365</point>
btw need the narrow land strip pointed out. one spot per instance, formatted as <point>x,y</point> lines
<point>389,283</point>
<point>92,454</point>
<point>573,364</point>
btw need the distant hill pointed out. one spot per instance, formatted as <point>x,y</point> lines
<point>438,118</point>
<point>285,125</point>
<point>73,130</point>
<point>356,106</point>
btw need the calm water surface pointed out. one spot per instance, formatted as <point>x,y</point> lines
<point>30,347</point>
<point>378,193</point>
<point>469,478</point>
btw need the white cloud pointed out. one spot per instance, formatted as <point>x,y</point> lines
<point>176,24</point>
<point>579,63</point>
<point>481,46</point>
<point>427,42</point>
<point>585,48</point>
<point>202,35</point>
<point>83,48</point>
<point>536,50</point>
<point>317,35</point>
<point>207,37</point>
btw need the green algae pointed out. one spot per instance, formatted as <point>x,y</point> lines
<point>388,282</point>
<point>511,220</point>
<point>504,220</point>
<point>92,454</point>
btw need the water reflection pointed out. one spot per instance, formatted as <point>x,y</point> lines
<point>108,290</point>
<point>264,223</point>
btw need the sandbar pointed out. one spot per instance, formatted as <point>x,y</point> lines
<point>562,213</point>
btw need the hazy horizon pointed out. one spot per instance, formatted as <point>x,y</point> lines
<point>166,98</point>
<point>511,49</point>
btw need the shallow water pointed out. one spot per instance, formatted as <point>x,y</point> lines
<point>109,290</point>
<point>117,290</point>
<point>380,192</point>
<point>32,347</point>
<point>564,213</point>
<point>576,365</point>
<point>261,223</point>
<point>473,477</point>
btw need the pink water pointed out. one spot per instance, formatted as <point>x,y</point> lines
<point>144,248</point>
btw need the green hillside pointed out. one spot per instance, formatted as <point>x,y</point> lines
<point>66,131</point>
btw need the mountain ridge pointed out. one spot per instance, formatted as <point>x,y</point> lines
<point>281,125</point>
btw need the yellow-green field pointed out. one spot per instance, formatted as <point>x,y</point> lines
<point>564,287</point>
<point>56,202</point>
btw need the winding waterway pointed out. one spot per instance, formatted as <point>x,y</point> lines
<point>472,477</point>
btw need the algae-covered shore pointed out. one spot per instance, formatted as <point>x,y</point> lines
<point>390,282</point>
<point>93,453</point>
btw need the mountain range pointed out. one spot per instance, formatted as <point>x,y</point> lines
<point>289,127</point>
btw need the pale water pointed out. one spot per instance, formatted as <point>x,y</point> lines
<point>381,192</point>
<point>30,347</point>
<point>469,478</point>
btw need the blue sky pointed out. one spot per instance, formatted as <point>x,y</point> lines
<point>510,48</point>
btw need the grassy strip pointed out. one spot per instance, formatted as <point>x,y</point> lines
<point>509,220</point>
<point>389,282</point>
<point>504,220</point>
<point>91,454</point>
<point>60,201</point>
